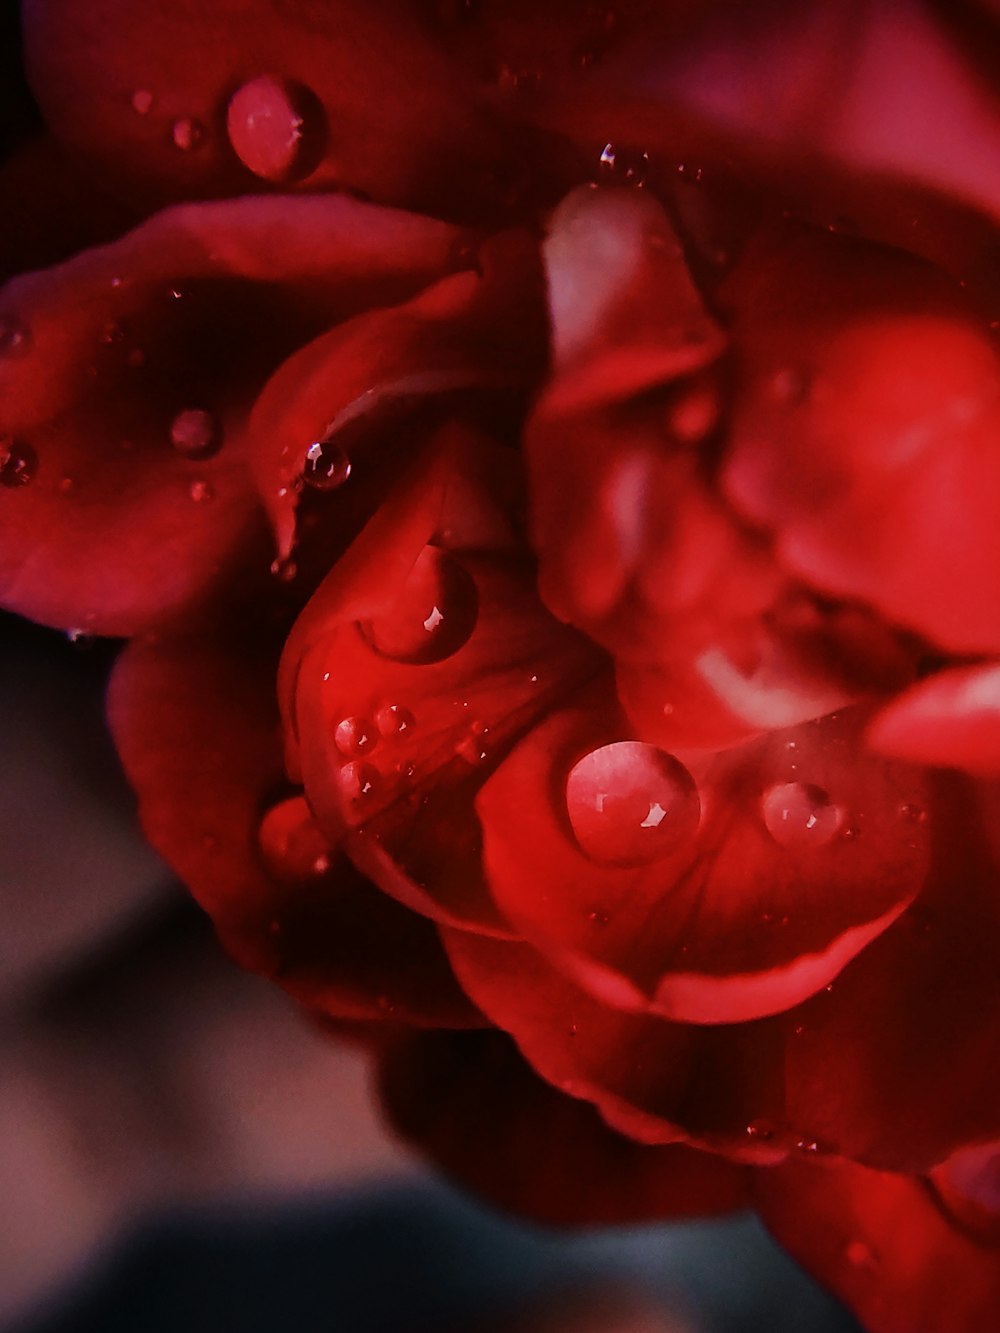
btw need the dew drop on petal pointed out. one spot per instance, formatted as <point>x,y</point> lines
<point>800,816</point>
<point>358,780</point>
<point>326,466</point>
<point>201,492</point>
<point>433,616</point>
<point>293,847</point>
<point>621,165</point>
<point>79,639</point>
<point>630,803</point>
<point>195,433</point>
<point>285,570</point>
<point>18,463</point>
<point>393,720</point>
<point>355,735</point>
<point>142,101</point>
<point>187,133</point>
<point>14,336</point>
<point>277,128</point>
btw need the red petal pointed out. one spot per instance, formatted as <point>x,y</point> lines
<point>479,1111</point>
<point>895,1064</point>
<point>169,101</point>
<point>864,423</point>
<point>883,1246</point>
<point>952,718</point>
<point>354,388</point>
<point>186,315</point>
<point>727,892</point>
<point>657,1082</point>
<point>420,618</point>
<point>197,728</point>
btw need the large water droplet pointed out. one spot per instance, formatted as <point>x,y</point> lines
<point>195,433</point>
<point>18,463</point>
<point>14,336</point>
<point>187,133</point>
<point>630,803</point>
<point>800,816</point>
<point>277,128</point>
<point>355,735</point>
<point>292,845</point>
<point>326,466</point>
<point>433,616</point>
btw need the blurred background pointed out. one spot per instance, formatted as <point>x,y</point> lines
<point>179,1151</point>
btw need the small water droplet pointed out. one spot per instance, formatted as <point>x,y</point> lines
<point>277,128</point>
<point>800,816</point>
<point>326,466</point>
<point>433,616</point>
<point>355,735</point>
<point>293,847</point>
<point>14,336</point>
<point>622,165</point>
<point>393,720</point>
<point>284,569</point>
<point>79,639</point>
<point>915,814</point>
<point>201,492</point>
<point>195,433</point>
<point>694,415</point>
<point>358,781</point>
<point>761,1130</point>
<point>67,485</point>
<point>630,803</point>
<point>859,1254</point>
<point>187,133</point>
<point>18,463</point>
<point>472,747</point>
<point>142,101</point>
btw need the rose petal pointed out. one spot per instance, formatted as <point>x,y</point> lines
<point>355,387</point>
<point>952,718</point>
<point>879,1242</point>
<point>476,1107</point>
<point>717,893</point>
<point>869,401</point>
<point>178,322</point>
<point>421,621</point>
<point>657,1082</point>
<point>197,729</point>
<point>143,96</point>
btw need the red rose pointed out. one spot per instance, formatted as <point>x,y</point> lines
<point>556,518</point>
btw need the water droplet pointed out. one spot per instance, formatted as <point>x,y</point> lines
<point>201,492</point>
<point>294,848</point>
<point>472,747</point>
<point>800,816</point>
<point>142,101</point>
<point>433,616</point>
<point>630,803</point>
<point>358,780</point>
<point>277,128</point>
<point>195,433</point>
<point>79,639</point>
<point>393,720</point>
<point>915,814</point>
<point>67,485</point>
<point>187,134</point>
<point>355,735</point>
<point>762,1130</point>
<point>626,166</point>
<point>326,466</point>
<point>14,336</point>
<point>694,415</point>
<point>284,569</point>
<point>18,463</point>
<point>689,173</point>
<point>860,1254</point>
